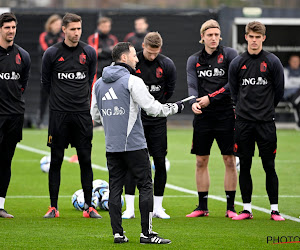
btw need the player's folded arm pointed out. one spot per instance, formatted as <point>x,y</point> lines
<point>219,94</point>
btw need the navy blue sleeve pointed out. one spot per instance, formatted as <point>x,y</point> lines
<point>91,53</point>
<point>192,79</point>
<point>47,68</point>
<point>225,90</point>
<point>171,77</point>
<point>278,78</point>
<point>26,68</point>
<point>233,78</point>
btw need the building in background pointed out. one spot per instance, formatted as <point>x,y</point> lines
<point>144,4</point>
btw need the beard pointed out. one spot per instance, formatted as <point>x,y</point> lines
<point>74,39</point>
<point>8,40</point>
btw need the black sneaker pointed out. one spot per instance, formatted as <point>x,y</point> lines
<point>153,239</point>
<point>120,238</point>
<point>5,214</point>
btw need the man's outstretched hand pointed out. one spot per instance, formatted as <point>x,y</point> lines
<point>180,106</point>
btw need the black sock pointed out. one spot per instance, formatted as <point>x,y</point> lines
<point>86,173</point>
<point>245,179</point>
<point>160,178</point>
<point>54,203</point>
<point>230,195</point>
<point>57,156</point>
<point>203,200</point>
<point>271,178</point>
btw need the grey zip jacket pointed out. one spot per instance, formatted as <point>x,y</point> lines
<point>117,99</point>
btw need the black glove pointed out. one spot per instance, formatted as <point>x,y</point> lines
<point>180,106</point>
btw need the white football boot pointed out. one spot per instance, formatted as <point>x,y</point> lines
<point>129,212</point>
<point>128,215</point>
<point>158,210</point>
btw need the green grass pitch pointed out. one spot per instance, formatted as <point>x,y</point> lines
<point>27,200</point>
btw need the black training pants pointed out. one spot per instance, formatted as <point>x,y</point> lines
<point>137,162</point>
<point>156,137</point>
<point>264,134</point>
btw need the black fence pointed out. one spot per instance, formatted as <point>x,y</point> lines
<point>179,29</point>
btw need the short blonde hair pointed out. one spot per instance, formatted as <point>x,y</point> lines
<point>153,39</point>
<point>209,24</point>
<point>256,27</point>
<point>104,20</point>
<point>50,20</point>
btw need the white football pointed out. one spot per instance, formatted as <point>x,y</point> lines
<point>104,194</point>
<point>100,184</point>
<point>78,200</point>
<point>45,163</point>
<point>104,200</point>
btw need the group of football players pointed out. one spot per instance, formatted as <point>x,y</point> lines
<point>217,76</point>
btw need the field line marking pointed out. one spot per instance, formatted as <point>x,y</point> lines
<point>184,190</point>
<point>165,196</point>
<point>33,150</point>
<point>35,196</point>
<point>254,160</point>
<point>69,196</point>
<point>43,152</point>
<point>224,200</point>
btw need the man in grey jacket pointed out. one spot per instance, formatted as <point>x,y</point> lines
<point>118,97</point>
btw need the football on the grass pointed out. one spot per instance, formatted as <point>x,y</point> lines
<point>45,163</point>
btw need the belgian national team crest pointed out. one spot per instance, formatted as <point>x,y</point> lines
<point>220,58</point>
<point>18,59</point>
<point>159,72</point>
<point>263,67</point>
<point>235,148</point>
<point>82,58</point>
